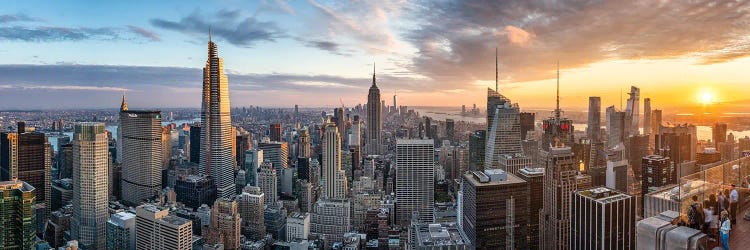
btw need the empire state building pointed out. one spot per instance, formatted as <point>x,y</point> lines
<point>374,114</point>
<point>216,130</point>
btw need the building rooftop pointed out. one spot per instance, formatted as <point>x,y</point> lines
<point>491,177</point>
<point>16,184</point>
<point>603,194</point>
<point>415,141</point>
<point>532,171</point>
<point>174,220</point>
<point>442,234</point>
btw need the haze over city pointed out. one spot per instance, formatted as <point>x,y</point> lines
<point>686,55</point>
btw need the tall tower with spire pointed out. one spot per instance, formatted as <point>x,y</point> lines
<point>216,130</point>
<point>503,126</point>
<point>140,152</point>
<point>374,115</point>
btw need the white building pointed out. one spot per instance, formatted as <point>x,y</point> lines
<point>121,231</point>
<point>297,226</point>
<point>90,185</point>
<point>415,170</point>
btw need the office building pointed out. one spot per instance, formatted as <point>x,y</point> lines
<point>415,174</point>
<point>275,132</point>
<point>140,135</point>
<point>534,178</point>
<point>298,226</point>
<point>195,190</point>
<point>334,178</point>
<point>224,227</point>
<point>718,133</point>
<point>633,111</point>
<point>277,153</point>
<point>594,127</point>
<point>268,182</point>
<point>253,161</point>
<point>250,204</point>
<point>560,180</point>
<point>647,116</point>
<point>616,127</point>
<point>602,218</point>
<point>29,156</point>
<point>504,131</point>
<point>656,119</point>
<point>477,150</point>
<point>243,142</point>
<point>195,144</point>
<point>216,148</point>
<point>157,230</point>
<point>121,231</point>
<point>527,124</point>
<point>16,201</point>
<point>274,216</point>
<point>679,142</point>
<point>374,116</point>
<point>303,143</point>
<point>57,225</point>
<point>330,220</point>
<point>495,209</point>
<point>90,185</point>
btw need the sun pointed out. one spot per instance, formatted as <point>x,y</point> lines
<point>706,97</point>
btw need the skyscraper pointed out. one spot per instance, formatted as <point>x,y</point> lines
<point>534,177</point>
<point>647,116</point>
<point>415,175</point>
<point>656,122</point>
<point>16,213</point>
<point>225,224</point>
<point>503,132</point>
<point>558,130</point>
<point>243,142</point>
<point>602,218</point>
<point>195,144</point>
<point>495,209</point>
<point>121,231</point>
<point>477,149</point>
<point>268,182</point>
<point>616,127</point>
<point>450,130</point>
<point>90,199</point>
<point>374,114</point>
<point>250,204</point>
<point>633,111</point>
<point>719,133</point>
<point>275,132</point>
<point>559,181</point>
<point>253,160</point>
<point>29,160</point>
<point>594,128</point>
<point>157,230</point>
<point>216,131</point>
<point>303,143</point>
<point>140,135</point>
<point>334,178</point>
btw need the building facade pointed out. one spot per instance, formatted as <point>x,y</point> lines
<point>415,175</point>
<point>140,133</point>
<point>90,185</point>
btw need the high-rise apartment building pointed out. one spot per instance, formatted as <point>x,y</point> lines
<point>90,185</point>
<point>656,122</point>
<point>216,130</point>
<point>647,116</point>
<point>16,213</point>
<point>415,175</point>
<point>224,227</point>
<point>374,116</point>
<point>594,127</point>
<point>140,135</point>
<point>616,127</point>
<point>250,204</point>
<point>485,195</point>
<point>243,142</point>
<point>334,178</point>
<point>157,230</point>
<point>121,231</point>
<point>602,218</point>
<point>718,133</point>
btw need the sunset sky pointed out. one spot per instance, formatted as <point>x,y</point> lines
<point>83,54</point>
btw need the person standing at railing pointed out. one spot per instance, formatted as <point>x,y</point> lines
<point>734,199</point>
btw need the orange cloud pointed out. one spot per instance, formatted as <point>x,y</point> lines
<point>518,36</point>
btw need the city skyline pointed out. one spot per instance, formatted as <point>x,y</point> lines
<point>429,59</point>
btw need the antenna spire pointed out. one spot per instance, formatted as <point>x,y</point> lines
<point>496,78</point>
<point>557,106</point>
<point>210,38</point>
<point>373,73</point>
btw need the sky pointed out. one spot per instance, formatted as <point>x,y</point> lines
<point>315,53</point>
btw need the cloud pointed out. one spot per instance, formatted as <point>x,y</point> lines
<point>54,34</point>
<point>518,36</point>
<point>244,32</point>
<point>169,86</point>
<point>330,46</point>
<point>144,33</point>
<point>455,40</point>
<point>7,18</point>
